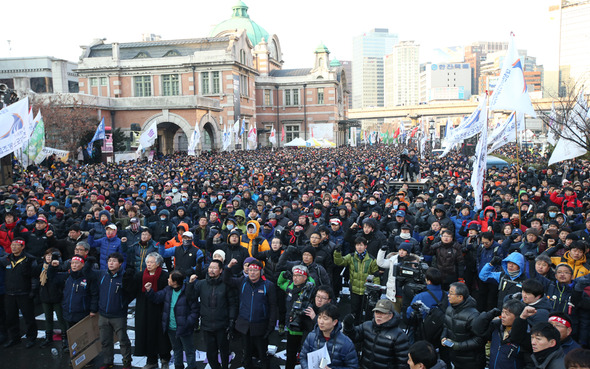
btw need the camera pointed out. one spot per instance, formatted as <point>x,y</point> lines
<point>302,302</point>
<point>55,256</point>
<point>412,276</point>
<point>373,293</point>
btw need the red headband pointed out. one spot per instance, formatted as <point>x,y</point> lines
<point>560,320</point>
<point>299,272</point>
<point>77,258</point>
<point>22,242</point>
<point>254,266</point>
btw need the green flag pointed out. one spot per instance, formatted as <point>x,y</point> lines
<point>37,139</point>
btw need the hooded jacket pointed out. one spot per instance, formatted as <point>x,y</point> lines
<point>580,267</point>
<point>99,228</point>
<point>565,201</point>
<point>340,348</point>
<point>508,285</point>
<point>248,239</point>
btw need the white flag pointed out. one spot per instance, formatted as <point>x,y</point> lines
<point>479,165</point>
<point>149,136</point>
<point>226,139</point>
<point>469,127</point>
<point>273,136</point>
<point>14,126</point>
<point>195,140</point>
<point>506,132</point>
<point>573,129</point>
<point>252,135</point>
<point>511,92</point>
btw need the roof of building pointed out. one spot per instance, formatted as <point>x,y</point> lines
<point>241,20</point>
<point>322,49</point>
<point>155,49</point>
<point>290,72</point>
<point>335,63</point>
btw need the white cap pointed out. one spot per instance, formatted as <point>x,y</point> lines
<point>112,226</point>
<point>188,234</point>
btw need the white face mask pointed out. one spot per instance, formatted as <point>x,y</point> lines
<point>405,236</point>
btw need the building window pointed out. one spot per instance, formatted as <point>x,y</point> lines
<point>103,81</point>
<point>244,85</point>
<point>242,57</point>
<point>210,83</point>
<point>291,132</point>
<point>215,81</point>
<point>143,86</point>
<point>170,85</point>
<point>93,82</point>
<point>291,97</point>
<point>267,98</point>
<point>320,95</point>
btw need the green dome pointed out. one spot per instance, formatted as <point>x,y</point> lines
<point>241,20</point>
<point>335,63</point>
<point>322,49</point>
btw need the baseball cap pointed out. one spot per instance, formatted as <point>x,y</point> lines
<point>384,306</point>
<point>400,213</point>
<point>188,234</point>
<point>112,226</point>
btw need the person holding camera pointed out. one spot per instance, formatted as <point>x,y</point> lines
<point>360,265</point>
<point>433,298</point>
<point>299,288</point>
<point>50,294</point>
<point>390,261</point>
<point>384,344</point>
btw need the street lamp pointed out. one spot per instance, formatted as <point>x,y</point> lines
<point>431,131</point>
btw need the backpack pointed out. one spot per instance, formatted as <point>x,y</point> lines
<point>431,327</point>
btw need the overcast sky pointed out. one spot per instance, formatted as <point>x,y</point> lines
<point>58,28</point>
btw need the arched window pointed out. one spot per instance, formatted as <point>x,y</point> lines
<point>142,54</point>
<point>172,53</point>
<point>242,56</point>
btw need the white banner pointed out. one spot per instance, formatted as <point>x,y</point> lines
<point>506,132</point>
<point>469,127</point>
<point>48,151</point>
<point>14,126</point>
<point>195,140</point>
<point>149,136</point>
<point>479,165</point>
<point>567,149</point>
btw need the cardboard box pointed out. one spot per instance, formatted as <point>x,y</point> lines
<point>84,341</point>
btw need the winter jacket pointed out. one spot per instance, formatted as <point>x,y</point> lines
<point>448,259</point>
<point>486,254</point>
<point>218,303</point>
<point>565,201</point>
<point>270,258</point>
<point>19,275</point>
<point>581,267</point>
<point>552,361</point>
<point>504,352</point>
<point>106,247</point>
<point>375,240</point>
<point>249,238</point>
<point>137,253</point>
<point>257,314</point>
<point>389,263</point>
<point>506,285</point>
<point>340,348</point>
<point>427,299</point>
<point>359,269</point>
<point>185,310</point>
<point>186,259</point>
<point>37,241</point>
<point>112,297</point>
<point>384,346</point>
<point>293,293</point>
<point>80,293</point>
<point>99,228</point>
<point>291,258</point>
<point>468,351</point>
<point>9,231</point>
<point>461,221</point>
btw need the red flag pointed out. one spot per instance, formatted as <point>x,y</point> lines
<point>282,133</point>
<point>414,131</point>
<point>396,133</point>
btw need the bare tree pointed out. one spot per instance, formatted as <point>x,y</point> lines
<point>66,119</point>
<point>571,120</point>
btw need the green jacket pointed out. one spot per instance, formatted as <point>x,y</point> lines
<point>291,290</point>
<point>358,270</point>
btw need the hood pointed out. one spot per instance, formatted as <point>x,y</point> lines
<point>186,227</point>
<point>490,208</point>
<point>240,213</point>
<point>252,236</point>
<point>164,212</point>
<point>105,212</point>
<point>515,258</point>
<point>181,208</point>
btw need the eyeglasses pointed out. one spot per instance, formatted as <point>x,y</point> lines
<point>322,298</point>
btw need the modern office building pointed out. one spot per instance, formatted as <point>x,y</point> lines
<point>402,75</point>
<point>42,74</point>
<point>369,50</point>
<point>445,82</point>
<point>475,54</point>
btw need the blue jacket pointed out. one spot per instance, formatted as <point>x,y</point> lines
<point>185,310</point>
<point>487,271</point>
<point>112,298</point>
<point>340,347</point>
<point>485,254</point>
<point>458,220</point>
<point>427,299</point>
<point>504,353</point>
<point>99,228</point>
<point>80,294</point>
<point>106,247</point>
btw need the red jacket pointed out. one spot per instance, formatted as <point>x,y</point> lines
<point>8,232</point>
<point>565,201</point>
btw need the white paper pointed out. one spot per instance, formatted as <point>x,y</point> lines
<point>314,358</point>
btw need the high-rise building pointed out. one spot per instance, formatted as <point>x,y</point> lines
<point>367,66</point>
<point>574,43</point>
<point>402,75</point>
<point>444,82</point>
<point>474,54</point>
<point>347,65</point>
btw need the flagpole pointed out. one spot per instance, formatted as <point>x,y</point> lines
<point>517,167</point>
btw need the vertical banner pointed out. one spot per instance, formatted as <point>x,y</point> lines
<point>236,98</point>
<point>353,136</point>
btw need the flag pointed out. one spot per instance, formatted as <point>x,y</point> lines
<point>511,92</point>
<point>396,133</point>
<point>479,165</point>
<point>414,130</point>
<point>195,140</point>
<point>37,140</point>
<point>506,132</point>
<point>252,136</point>
<point>243,127</point>
<point>273,136</point>
<point>14,123</point>
<point>551,134</point>
<point>469,127</point>
<point>98,135</point>
<point>226,140</point>
<point>566,149</point>
<point>282,133</point>
<point>148,137</point>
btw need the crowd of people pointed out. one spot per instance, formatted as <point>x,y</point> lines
<point>332,250</point>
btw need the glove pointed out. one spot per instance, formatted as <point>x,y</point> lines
<point>496,260</point>
<point>256,242</point>
<point>92,232</point>
<point>494,312</point>
<point>385,248</point>
<point>464,223</point>
<point>338,248</point>
<point>287,274</point>
<point>513,237</point>
<point>417,229</point>
<point>530,255</point>
<point>348,321</point>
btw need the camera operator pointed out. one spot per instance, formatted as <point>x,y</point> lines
<point>390,262</point>
<point>384,343</point>
<point>434,297</point>
<point>409,165</point>
<point>299,289</point>
<point>323,296</point>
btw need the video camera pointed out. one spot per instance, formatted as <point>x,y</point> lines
<point>373,293</point>
<point>412,274</point>
<point>297,312</point>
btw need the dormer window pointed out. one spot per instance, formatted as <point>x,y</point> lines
<point>142,55</point>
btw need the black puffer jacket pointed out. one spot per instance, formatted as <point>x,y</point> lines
<point>218,303</point>
<point>448,259</point>
<point>468,351</point>
<point>385,346</point>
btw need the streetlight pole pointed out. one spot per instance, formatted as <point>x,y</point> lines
<point>431,131</point>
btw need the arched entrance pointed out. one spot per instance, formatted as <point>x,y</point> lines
<point>208,137</point>
<point>210,133</point>
<point>173,132</point>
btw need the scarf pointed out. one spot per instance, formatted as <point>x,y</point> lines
<point>153,279</point>
<point>43,275</point>
<point>514,274</point>
<point>362,256</point>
